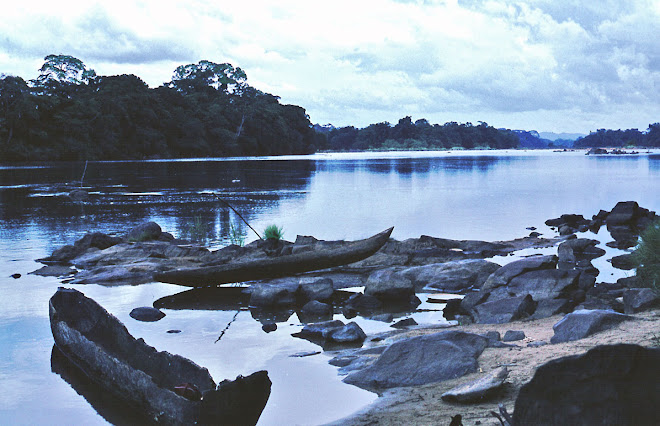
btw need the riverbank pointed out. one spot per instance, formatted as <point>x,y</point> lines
<point>423,404</point>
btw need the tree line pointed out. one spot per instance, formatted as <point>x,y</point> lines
<point>420,134</point>
<point>621,138</point>
<point>207,109</point>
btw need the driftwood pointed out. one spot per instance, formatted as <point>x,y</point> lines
<point>166,388</point>
<point>276,267</point>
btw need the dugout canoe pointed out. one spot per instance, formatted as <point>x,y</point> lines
<point>276,267</point>
<point>167,388</point>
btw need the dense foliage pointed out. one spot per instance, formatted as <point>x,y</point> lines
<point>647,257</point>
<point>420,135</point>
<point>208,109</point>
<point>621,138</point>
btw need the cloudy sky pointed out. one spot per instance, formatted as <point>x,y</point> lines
<point>548,65</point>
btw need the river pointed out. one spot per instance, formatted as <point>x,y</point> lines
<point>486,195</point>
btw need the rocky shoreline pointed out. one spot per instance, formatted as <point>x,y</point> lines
<point>415,367</point>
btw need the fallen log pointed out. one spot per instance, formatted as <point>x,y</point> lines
<point>276,267</point>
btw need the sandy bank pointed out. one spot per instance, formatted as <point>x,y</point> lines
<point>423,405</point>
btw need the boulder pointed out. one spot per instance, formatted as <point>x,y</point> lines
<point>513,335</point>
<point>147,313</point>
<point>314,308</point>
<point>97,240</point>
<point>144,232</point>
<point>549,307</point>
<point>319,330</point>
<point>479,389</point>
<point>639,299</point>
<point>504,310</point>
<point>272,296</point>
<point>320,290</point>
<point>389,285</point>
<point>624,261</point>
<point>351,333</point>
<point>404,323</point>
<point>540,284</point>
<point>609,385</point>
<point>623,213</point>
<point>422,359</point>
<point>506,273</point>
<point>582,323</point>
<point>457,276</point>
<point>363,303</point>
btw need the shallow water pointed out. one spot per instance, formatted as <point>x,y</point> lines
<point>461,195</point>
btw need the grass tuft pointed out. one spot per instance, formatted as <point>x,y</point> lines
<point>273,232</point>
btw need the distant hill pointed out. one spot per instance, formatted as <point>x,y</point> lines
<point>561,136</point>
<point>531,139</point>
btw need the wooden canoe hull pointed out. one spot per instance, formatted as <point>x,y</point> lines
<point>276,267</point>
<point>101,346</point>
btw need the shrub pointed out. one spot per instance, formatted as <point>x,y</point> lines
<point>647,257</point>
<point>273,232</point>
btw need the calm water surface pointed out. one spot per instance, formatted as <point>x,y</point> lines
<point>467,195</point>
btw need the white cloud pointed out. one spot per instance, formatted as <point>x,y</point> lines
<point>537,64</point>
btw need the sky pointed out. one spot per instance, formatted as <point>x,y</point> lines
<point>546,65</point>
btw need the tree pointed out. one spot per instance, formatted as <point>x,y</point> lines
<point>12,94</point>
<point>223,77</point>
<point>62,73</point>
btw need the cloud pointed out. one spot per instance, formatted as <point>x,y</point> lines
<point>537,64</point>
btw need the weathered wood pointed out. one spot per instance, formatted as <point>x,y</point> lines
<point>276,267</point>
<point>146,379</point>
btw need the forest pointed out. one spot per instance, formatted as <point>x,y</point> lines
<point>621,138</point>
<point>69,113</point>
<point>418,135</point>
<point>208,109</point>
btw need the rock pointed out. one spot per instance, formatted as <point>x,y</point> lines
<point>316,308</point>
<point>15,276</point>
<point>493,336</point>
<point>549,307</point>
<point>147,314</point>
<point>321,290</point>
<point>506,273</point>
<point>624,261</point>
<point>609,385</point>
<point>639,299</point>
<point>540,284</point>
<point>570,252</point>
<point>342,361</point>
<point>319,330</point>
<point>597,151</point>
<point>79,195</point>
<point>173,331</point>
<point>404,323</point>
<point>54,271</point>
<point>272,296</point>
<point>513,335</point>
<point>144,232</point>
<point>479,389</point>
<point>382,317</point>
<point>623,213</point>
<point>350,333</point>
<point>269,327</point>
<point>363,303</point>
<point>457,276</point>
<point>422,359</point>
<point>537,343</point>
<point>504,310</point>
<point>116,274</point>
<point>582,323</point>
<point>572,220</point>
<point>97,240</point>
<point>389,285</point>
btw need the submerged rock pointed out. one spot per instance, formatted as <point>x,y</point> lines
<point>609,385</point>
